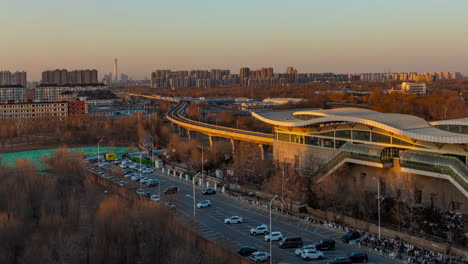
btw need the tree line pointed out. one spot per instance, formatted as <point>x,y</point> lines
<point>63,216</point>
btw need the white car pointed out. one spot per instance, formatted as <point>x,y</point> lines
<point>299,251</point>
<point>234,220</point>
<point>309,254</point>
<point>204,204</point>
<point>135,178</point>
<point>154,197</point>
<point>259,256</point>
<point>261,229</point>
<point>275,236</point>
<point>144,180</point>
<point>140,192</point>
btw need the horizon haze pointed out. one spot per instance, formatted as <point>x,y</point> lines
<point>313,36</point>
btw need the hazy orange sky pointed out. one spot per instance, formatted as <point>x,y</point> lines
<point>314,36</point>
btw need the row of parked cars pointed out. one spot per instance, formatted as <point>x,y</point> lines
<point>306,252</point>
<point>106,176</point>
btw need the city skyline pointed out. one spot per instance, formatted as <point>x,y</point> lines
<point>332,36</point>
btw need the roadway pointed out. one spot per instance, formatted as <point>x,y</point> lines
<point>176,116</point>
<point>211,223</point>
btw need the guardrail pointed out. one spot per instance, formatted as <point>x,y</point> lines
<point>175,116</point>
<point>458,175</point>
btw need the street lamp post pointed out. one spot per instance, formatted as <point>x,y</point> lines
<point>283,165</point>
<point>271,228</point>
<point>194,206</point>
<point>203,182</point>
<point>141,157</point>
<point>98,148</point>
<point>378,200</point>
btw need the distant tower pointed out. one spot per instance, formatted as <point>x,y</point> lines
<point>116,76</point>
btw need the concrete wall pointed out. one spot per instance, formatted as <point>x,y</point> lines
<point>310,157</point>
<point>442,191</point>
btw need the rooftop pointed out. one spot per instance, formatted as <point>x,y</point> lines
<point>70,85</point>
<point>400,124</point>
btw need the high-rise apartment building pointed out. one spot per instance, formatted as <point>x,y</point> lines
<point>64,77</point>
<point>19,78</point>
<point>244,73</point>
<point>5,78</point>
<point>116,73</point>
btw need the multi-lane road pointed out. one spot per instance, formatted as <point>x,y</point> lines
<point>211,222</point>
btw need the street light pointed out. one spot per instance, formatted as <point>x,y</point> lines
<point>283,164</point>
<point>194,207</point>
<point>98,148</point>
<point>141,157</point>
<point>271,229</point>
<point>378,200</point>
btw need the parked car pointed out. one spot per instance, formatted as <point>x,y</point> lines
<point>208,191</point>
<point>351,235</point>
<point>261,229</point>
<point>325,245</point>
<point>274,236</point>
<point>234,220</point>
<point>155,198</point>
<point>309,254</point>
<point>299,251</point>
<point>291,242</point>
<point>152,183</point>
<point>246,251</point>
<point>122,183</point>
<point>135,178</point>
<point>204,204</point>
<point>259,256</point>
<point>140,192</point>
<point>358,257</point>
<point>148,170</point>
<point>340,260</point>
<point>144,180</point>
<point>171,190</point>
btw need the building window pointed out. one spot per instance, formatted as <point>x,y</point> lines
<point>311,141</point>
<point>343,134</point>
<point>377,137</point>
<point>283,137</point>
<point>339,143</point>
<point>361,135</point>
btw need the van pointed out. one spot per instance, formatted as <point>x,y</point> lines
<point>351,235</point>
<point>291,242</point>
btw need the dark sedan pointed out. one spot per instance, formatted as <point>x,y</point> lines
<point>246,251</point>
<point>340,260</point>
<point>358,257</point>
<point>325,245</point>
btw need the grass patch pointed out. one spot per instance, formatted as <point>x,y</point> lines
<point>143,161</point>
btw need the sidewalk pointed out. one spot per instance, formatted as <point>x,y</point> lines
<point>393,248</point>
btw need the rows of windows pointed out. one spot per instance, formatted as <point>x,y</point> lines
<point>335,139</point>
<point>34,110</point>
<point>17,116</point>
<point>31,105</point>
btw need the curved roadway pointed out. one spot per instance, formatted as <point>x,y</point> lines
<point>175,115</point>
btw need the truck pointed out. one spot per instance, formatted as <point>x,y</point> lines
<point>111,156</point>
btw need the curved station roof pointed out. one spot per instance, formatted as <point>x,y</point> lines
<point>455,122</point>
<point>400,124</point>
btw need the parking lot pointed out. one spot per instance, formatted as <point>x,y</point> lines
<point>210,220</point>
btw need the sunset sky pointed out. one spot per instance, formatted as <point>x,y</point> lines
<point>314,36</point>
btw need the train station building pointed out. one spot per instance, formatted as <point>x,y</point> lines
<point>406,154</point>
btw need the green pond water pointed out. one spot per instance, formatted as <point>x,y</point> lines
<point>36,155</point>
